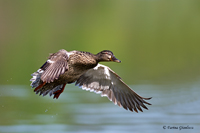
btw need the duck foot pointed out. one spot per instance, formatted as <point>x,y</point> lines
<point>58,92</point>
<point>37,88</point>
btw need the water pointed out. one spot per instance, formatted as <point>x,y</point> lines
<point>173,107</point>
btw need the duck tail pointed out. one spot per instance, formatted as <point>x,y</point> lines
<point>49,88</point>
<point>36,81</point>
<point>44,88</point>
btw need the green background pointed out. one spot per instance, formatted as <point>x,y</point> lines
<point>157,40</point>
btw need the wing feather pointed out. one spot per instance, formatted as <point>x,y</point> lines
<point>54,66</point>
<point>103,79</point>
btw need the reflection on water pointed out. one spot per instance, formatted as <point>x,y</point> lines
<point>173,106</point>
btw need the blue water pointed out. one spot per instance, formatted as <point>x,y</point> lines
<point>173,106</point>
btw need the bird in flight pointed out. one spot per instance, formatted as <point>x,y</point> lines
<point>83,69</point>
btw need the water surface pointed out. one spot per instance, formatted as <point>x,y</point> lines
<point>173,106</point>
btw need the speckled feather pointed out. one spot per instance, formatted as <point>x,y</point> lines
<point>64,67</point>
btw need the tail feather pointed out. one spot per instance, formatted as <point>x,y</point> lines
<point>51,90</point>
<point>36,81</point>
<point>43,88</point>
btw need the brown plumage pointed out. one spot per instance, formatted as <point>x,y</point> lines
<point>64,67</point>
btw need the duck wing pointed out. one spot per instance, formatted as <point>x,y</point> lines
<point>54,66</point>
<point>102,79</point>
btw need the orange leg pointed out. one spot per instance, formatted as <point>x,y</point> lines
<point>57,93</point>
<point>39,86</point>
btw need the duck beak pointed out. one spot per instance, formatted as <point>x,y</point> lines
<point>114,59</point>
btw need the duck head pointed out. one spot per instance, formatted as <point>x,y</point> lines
<point>106,55</point>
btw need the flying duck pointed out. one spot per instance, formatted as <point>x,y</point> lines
<point>83,69</point>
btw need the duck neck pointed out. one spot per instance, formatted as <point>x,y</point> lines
<point>98,58</point>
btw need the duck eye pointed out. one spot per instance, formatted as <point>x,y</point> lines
<point>107,53</point>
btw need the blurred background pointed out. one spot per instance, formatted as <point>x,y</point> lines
<point>158,42</point>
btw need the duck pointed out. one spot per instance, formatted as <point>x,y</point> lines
<point>83,69</point>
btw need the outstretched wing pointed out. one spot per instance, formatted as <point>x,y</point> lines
<point>54,66</point>
<point>102,79</point>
